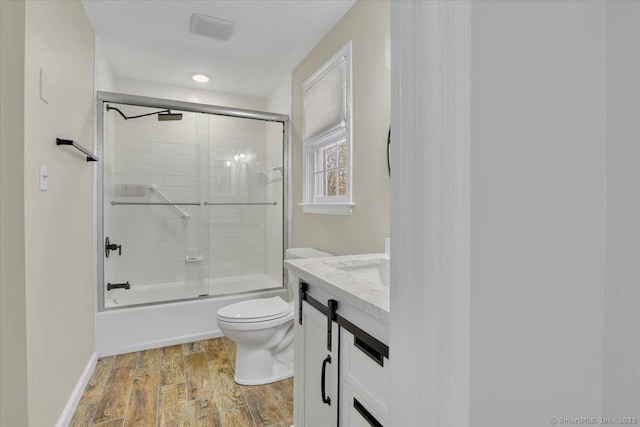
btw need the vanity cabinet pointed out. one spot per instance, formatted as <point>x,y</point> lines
<point>342,372</point>
<point>318,403</point>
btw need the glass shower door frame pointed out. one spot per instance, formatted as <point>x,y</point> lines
<point>111,97</point>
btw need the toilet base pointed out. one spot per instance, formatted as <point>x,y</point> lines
<point>280,372</point>
<point>257,366</point>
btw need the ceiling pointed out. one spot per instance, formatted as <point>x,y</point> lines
<point>150,40</point>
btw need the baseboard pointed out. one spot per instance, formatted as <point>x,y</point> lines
<point>76,394</point>
<point>163,343</point>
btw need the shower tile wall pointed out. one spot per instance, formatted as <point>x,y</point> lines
<point>237,233</point>
<point>191,160</point>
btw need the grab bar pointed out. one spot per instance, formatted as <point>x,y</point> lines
<point>90,156</point>
<point>114,203</point>
<point>240,204</point>
<point>182,213</point>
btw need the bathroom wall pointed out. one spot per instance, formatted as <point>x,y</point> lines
<point>202,96</point>
<point>621,367</point>
<point>279,101</point>
<point>58,223</point>
<point>13,345</point>
<point>538,211</point>
<point>104,79</point>
<point>366,24</point>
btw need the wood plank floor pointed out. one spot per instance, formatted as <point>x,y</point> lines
<point>182,385</point>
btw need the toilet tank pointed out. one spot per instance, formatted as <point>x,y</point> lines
<point>299,253</point>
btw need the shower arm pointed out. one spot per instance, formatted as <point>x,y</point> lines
<point>109,108</point>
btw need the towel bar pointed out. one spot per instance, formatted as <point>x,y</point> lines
<point>90,156</point>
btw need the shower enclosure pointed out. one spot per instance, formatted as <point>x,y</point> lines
<point>190,201</point>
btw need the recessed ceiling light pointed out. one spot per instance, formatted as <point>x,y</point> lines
<point>200,77</point>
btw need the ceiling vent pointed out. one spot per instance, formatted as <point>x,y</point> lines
<point>211,27</point>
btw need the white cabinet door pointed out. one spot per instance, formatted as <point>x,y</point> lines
<point>319,368</point>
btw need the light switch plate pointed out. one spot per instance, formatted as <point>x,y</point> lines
<point>44,178</point>
<point>44,86</point>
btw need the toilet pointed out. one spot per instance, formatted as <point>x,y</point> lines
<point>262,330</point>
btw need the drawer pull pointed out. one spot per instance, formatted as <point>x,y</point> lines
<point>376,356</point>
<point>325,399</point>
<point>366,414</point>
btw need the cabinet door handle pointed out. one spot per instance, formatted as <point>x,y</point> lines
<point>325,399</point>
<point>366,414</point>
<point>332,305</point>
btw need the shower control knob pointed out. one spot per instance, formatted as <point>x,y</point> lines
<point>108,247</point>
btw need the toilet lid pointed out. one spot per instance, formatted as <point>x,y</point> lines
<point>255,310</point>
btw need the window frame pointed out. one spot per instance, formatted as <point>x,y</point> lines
<point>337,204</point>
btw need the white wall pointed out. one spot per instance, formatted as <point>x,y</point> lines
<point>537,211</point>
<point>547,161</point>
<point>155,90</point>
<point>13,343</point>
<point>58,223</point>
<point>429,317</point>
<point>104,79</point>
<point>621,369</point>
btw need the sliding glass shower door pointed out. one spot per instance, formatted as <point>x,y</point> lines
<point>192,205</point>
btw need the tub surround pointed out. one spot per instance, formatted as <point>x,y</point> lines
<point>332,276</point>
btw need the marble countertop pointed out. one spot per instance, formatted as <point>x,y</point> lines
<point>350,288</point>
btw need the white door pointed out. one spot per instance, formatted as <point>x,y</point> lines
<point>320,368</point>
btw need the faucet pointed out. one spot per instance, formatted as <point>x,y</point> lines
<point>125,285</point>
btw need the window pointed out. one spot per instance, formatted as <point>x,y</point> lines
<point>327,137</point>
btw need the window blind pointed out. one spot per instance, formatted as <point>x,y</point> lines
<point>325,101</point>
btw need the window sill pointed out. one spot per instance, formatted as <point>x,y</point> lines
<point>328,208</point>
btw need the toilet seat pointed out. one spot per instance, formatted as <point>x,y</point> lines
<point>255,310</point>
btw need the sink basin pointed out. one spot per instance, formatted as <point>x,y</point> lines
<point>374,269</point>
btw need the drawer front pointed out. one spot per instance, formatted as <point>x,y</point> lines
<point>356,412</point>
<point>365,371</point>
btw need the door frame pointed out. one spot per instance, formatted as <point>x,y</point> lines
<point>430,213</point>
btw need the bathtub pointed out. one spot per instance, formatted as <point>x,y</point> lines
<point>124,327</point>
<point>147,294</point>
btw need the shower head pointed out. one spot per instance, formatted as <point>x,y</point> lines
<point>168,115</point>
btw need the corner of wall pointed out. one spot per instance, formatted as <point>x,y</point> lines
<point>13,345</point>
